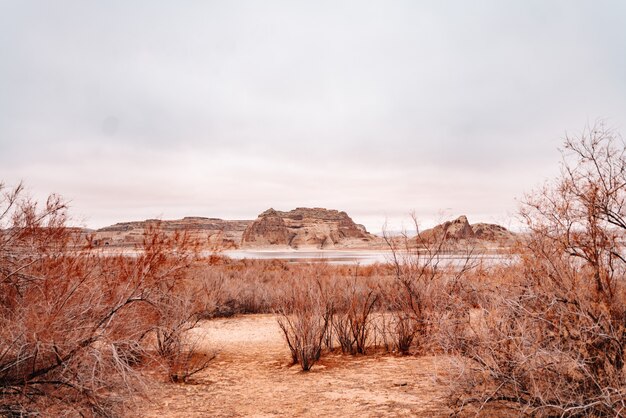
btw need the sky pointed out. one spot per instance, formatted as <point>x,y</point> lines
<point>144,109</point>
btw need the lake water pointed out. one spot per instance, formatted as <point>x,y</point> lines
<point>346,256</point>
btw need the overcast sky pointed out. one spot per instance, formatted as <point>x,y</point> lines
<point>141,109</point>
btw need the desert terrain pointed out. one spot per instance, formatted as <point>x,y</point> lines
<point>155,319</point>
<point>300,230</point>
<point>175,330</point>
<point>252,376</point>
<point>312,209</point>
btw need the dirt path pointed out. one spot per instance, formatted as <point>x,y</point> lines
<point>251,377</point>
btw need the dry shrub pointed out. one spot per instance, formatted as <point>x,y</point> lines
<point>74,323</point>
<point>403,328</point>
<point>179,311</point>
<point>551,342</point>
<point>304,320</point>
<point>422,301</point>
<point>352,319</point>
<point>249,286</point>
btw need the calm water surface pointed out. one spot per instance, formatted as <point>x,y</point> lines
<point>346,256</point>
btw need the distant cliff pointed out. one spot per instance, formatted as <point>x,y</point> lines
<point>212,231</point>
<point>306,227</point>
<point>301,228</point>
<point>461,229</point>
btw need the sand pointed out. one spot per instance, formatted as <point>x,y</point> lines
<point>252,377</point>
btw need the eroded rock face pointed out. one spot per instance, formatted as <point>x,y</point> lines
<point>305,227</point>
<point>268,229</point>
<point>215,232</point>
<point>460,229</point>
<point>491,232</point>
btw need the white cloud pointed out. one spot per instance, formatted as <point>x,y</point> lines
<point>226,108</point>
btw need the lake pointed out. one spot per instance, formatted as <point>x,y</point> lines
<point>362,257</point>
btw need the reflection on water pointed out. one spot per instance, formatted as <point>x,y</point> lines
<point>330,256</point>
<point>346,256</point>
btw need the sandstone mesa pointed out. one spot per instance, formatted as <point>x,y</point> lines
<point>300,228</point>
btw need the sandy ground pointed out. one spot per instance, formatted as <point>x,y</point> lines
<point>252,377</point>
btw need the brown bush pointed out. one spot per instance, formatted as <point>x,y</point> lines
<point>73,322</point>
<point>551,342</point>
<point>304,320</point>
<point>179,311</point>
<point>354,304</point>
<point>427,286</point>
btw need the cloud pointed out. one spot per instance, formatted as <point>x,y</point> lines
<point>224,108</point>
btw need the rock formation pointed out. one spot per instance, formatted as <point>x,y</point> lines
<point>305,227</point>
<point>213,231</point>
<point>299,228</point>
<point>460,229</point>
<point>268,229</point>
<point>492,232</point>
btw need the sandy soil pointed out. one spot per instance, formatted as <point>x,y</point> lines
<point>252,377</point>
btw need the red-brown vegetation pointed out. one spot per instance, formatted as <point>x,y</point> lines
<point>551,339</point>
<point>75,324</point>
<point>542,333</point>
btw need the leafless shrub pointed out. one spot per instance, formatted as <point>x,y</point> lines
<point>404,328</point>
<point>352,319</point>
<point>187,361</point>
<point>74,323</point>
<point>428,281</point>
<point>178,313</point>
<point>304,320</point>
<point>552,342</point>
